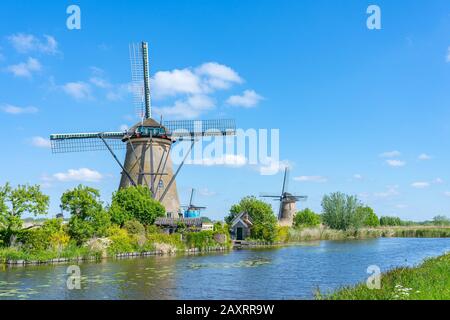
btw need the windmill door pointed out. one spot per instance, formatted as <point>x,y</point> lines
<point>239,233</point>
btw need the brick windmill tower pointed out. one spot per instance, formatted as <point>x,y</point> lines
<point>288,202</point>
<point>149,142</point>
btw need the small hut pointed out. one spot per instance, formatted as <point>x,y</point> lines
<point>241,226</point>
<point>171,225</point>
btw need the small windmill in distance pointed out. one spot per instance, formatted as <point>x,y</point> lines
<point>288,201</point>
<point>192,211</point>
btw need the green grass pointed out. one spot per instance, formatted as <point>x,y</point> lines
<point>70,252</point>
<point>428,281</point>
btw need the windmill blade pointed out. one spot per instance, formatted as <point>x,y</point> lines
<point>195,128</point>
<point>269,196</point>
<point>192,196</point>
<point>140,80</point>
<point>82,142</point>
<point>285,181</point>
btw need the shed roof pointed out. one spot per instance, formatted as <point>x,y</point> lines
<point>173,222</point>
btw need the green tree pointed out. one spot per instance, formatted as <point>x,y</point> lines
<point>88,218</point>
<point>14,203</point>
<point>340,211</point>
<point>135,203</point>
<point>261,213</point>
<point>368,217</point>
<point>306,218</point>
<point>441,221</point>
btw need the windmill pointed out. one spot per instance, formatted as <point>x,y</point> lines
<point>147,143</point>
<point>192,211</point>
<point>288,202</point>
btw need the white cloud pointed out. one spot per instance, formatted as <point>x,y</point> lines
<point>390,154</point>
<point>272,166</point>
<point>123,127</point>
<point>438,181</point>
<point>100,82</point>
<point>170,83</point>
<point>424,157</point>
<point>190,108</point>
<point>83,175</point>
<point>358,177</point>
<point>78,90</point>
<point>395,163</point>
<point>401,206</point>
<point>390,192</point>
<point>447,193</point>
<point>318,179</point>
<point>231,160</point>
<point>40,142</point>
<point>218,76</point>
<point>447,58</point>
<point>25,69</point>
<point>420,185</point>
<point>7,108</point>
<point>248,99</point>
<point>25,43</point>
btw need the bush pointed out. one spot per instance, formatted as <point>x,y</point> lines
<point>306,218</point>
<point>261,213</point>
<point>200,240</point>
<point>135,203</point>
<point>121,241</point>
<point>51,235</point>
<point>340,211</point>
<point>134,227</point>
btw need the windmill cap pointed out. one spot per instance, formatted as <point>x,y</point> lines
<point>147,123</point>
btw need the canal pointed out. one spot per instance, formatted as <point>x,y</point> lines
<point>292,272</point>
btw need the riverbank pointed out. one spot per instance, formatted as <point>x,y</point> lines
<point>289,235</point>
<point>427,281</point>
<point>169,245</point>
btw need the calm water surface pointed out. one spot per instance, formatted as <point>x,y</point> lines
<point>293,272</point>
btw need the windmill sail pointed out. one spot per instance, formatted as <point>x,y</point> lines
<point>140,80</point>
<point>79,142</point>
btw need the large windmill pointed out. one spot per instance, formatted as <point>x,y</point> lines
<point>288,202</point>
<point>149,142</point>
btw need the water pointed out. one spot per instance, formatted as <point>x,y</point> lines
<point>293,272</point>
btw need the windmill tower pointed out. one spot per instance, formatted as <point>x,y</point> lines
<point>288,202</point>
<point>147,143</point>
<point>191,210</point>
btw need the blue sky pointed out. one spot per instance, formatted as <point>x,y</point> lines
<point>360,111</point>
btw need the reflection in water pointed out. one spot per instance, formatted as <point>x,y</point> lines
<point>292,272</point>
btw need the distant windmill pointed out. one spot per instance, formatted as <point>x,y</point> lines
<point>192,211</point>
<point>148,143</point>
<point>288,202</point>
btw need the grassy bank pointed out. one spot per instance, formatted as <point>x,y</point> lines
<point>289,235</point>
<point>428,281</point>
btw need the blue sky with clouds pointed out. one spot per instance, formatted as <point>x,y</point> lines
<point>360,111</point>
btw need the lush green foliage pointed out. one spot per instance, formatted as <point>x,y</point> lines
<point>306,218</point>
<point>368,217</point>
<point>261,213</point>
<point>134,227</point>
<point>135,203</point>
<point>340,211</point>
<point>16,202</point>
<point>51,235</point>
<point>88,218</point>
<point>428,281</point>
<point>390,221</point>
<point>441,221</point>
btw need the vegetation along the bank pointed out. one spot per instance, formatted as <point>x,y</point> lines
<point>96,230</point>
<point>428,281</point>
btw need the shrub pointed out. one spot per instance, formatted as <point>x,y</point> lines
<point>134,227</point>
<point>306,218</point>
<point>173,240</point>
<point>121,241</point>
<point>135,203</point>
<point>200,240</point>
<point>50,236</point>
